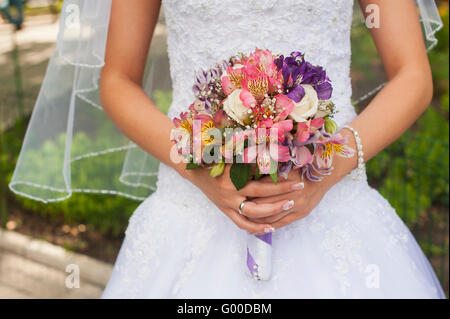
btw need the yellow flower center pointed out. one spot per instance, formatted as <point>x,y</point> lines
<point>258,87</point>
<point>208,138</point>
<point>328,152</point>
<point>338,148</point>
<point>236,79</point>
<point>186,126</point>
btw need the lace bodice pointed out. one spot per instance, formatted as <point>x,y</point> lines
<point>203,32</point>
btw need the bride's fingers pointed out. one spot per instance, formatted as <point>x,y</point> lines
<point>285,221</point>
<point>263,189</point>
<point>268,179</point>
<point>243,223</point>
<point>273,199</point>
<point>254,210</point>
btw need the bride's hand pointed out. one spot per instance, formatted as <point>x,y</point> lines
<point>223,194</point>
<point>303,201</point>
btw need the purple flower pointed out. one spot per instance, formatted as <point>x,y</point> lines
<point>284,168</point>
<point>317,77</point>
<point>291,70</point>
<point>207,87</point>
<point>297,71</point>
<point>307,172</point>
<point>296,94</point>
<point>309,169</point>
<point>324,90</point>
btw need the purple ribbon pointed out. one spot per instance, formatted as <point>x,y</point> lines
<point>256,266</point>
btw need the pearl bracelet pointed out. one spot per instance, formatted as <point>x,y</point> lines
<point>360,153</point>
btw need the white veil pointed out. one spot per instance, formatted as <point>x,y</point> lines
<point>71,145</point>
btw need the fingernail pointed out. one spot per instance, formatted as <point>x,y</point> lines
<point>298,186</point>
<point>288,205</point>
<point>269,230</point>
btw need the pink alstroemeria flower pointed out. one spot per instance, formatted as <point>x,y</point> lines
<point>182,132</point>
<point>259,79</point>
<point>282,128</point>
<point>257,84</point>
<point>206,125</point>
<point>222,120</point>
<point>327,148</point>
<point>261,57</point>
<point>266,150</point>
<point>184,122</point>
<point>284,106</point>
<point>247,98</point>
<point>235,144</point>
<point>233,79</point>
<point>302,156</point>
<point>264,62</point>
<point>265,123</point>
<point>304,129</point>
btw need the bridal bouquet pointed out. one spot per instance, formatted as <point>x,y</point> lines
<point>266,115</point>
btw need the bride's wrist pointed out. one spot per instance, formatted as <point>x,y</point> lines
<point>343,166</point>
<point>181,169</point>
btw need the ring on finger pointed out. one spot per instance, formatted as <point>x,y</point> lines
<point>241,207</point>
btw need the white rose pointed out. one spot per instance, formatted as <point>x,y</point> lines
<point>307,107</point>
<point>234,107</point>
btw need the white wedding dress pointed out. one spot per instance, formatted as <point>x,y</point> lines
<point>352,245</point>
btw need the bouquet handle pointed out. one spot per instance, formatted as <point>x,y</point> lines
<point>259,256</point>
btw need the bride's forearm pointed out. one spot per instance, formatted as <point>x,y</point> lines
<point>121,94</point>
<point>409,91</point>
<point>389,115</point>
<point>394,110</point>
<point>137,117</point>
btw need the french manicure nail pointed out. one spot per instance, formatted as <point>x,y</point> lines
<point>288,205</point>
<point>298,186</point>
<point>269,230</point>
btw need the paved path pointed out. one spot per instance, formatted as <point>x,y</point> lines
<point>32,268</point>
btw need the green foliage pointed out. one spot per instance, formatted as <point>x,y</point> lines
<point>162,99</point>
<point>439,58</point>
<point>192,166</point>
<point>413,172</point>
<point>217,169</point>
<point>108,214</point>
<point>105,213</point>
<point>240,174</point>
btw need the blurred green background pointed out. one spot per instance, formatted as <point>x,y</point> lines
<point>412,173</point>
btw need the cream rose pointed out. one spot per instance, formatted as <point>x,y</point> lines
<point>234,107</point>
<point>307,107</point>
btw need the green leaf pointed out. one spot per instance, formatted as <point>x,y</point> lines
<point>274,177</point>
<point>192,166</point>
<point>217,170</point>
<point>239,174</point>
<point>258,174</point>
<point>274,171</point>
<point>310,147</point>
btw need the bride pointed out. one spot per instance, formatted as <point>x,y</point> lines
<point>335,239</point>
